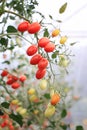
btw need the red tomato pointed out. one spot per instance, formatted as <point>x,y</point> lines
<point>35,59</point>
<point>15,85</point>
<point>55,99</point>
<point>31,50</point>
<point>22,78</point>
<point>11,127</point>
<point>40,73</point>
<point>4,73</point>
<point>43,63</point>
<point>43,42</point>
<point>34,28</point>
<point>22,27</point>
<point>10,81</point>
<point>49,47</point>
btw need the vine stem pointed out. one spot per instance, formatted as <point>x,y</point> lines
<point>5,34</point>
<point>11,12</point>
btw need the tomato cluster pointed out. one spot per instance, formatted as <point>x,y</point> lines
<point>13,80</point>
<point>6,122</point>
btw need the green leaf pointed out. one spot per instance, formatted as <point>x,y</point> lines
<point>46,33</point>
<point>6,62</point>
<point>79,128</point>
<point>64,113</point>
<point>73,43</point>
<point>11,29</point>
<point>54,55</point>
<point>50,16</point>
<point>5,105</point>
<point>4,42</point>
<point>12,17</point>
<point>1,113</point>
<point>20,66</point>
<point>17,118</point>
<point>47,95</point>
<point>63,8</point>
<point>64,127</point>
<point>29,122</point>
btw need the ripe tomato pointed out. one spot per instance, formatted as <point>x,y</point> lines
<point>34,27</point>
<point>49,47</point>
<point>43,42</point>
<point>10,81</point>
<point>40,73</point>
<point>4,73</point>
<point>55,32</point>
<point>43,63</point>
<point>11,127</point>
<point>15,85</point>
<point>63,39</point>
<point>31,50</point>
<point>35,59</point>
<point>22,78</point>
<point>55,99</point>
<point>22,27</point>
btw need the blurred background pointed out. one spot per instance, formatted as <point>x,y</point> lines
<point>74,25</point>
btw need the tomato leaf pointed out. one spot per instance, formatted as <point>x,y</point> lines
<point>46,33</point>
<point>64,113</point>
<point>17,118</point>
<point>79,128</point>
<point>63,8</point>
<point>11,29</point>
<point>47,95</point>
<point>5,104</point>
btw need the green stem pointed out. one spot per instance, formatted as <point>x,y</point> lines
<point>8,91</point>
<point>6,34</point>
<point>11,12</point>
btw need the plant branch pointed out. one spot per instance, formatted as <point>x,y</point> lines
<point>11,12</point>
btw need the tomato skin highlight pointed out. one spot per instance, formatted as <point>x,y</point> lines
<point>43,63</point>
<point>31,50</point>
<point>43,42</point>
<point>22,27</point>
<point>35,59</point>
<point>40,73</point>
<point>49,47</point>
<point>34,27</point>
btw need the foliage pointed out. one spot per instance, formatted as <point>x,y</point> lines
<point>25,100</point>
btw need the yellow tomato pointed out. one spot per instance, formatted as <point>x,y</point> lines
<point>51,92</point>
<point>55,32</point>
<point>19,109</point>
<point>32,98</point>
<point>15,102</point>
<point>31,91</point>
<point>63,39</point>
<point>23,111</point>
<point>43,84</point>
<point>49,111</point>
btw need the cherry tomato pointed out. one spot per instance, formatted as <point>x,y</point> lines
<point>22,27</point>
<point>43,63</point>
<point>43,42</point>
<point>49,47</point>
<point>31,50</point>
<point>35,59</point>
<point>40,73</point>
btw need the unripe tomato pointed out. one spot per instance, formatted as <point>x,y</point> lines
<point>55,32</point>
<point>35,59</point>
<point>36,112</point>
<point>63,39</point>
<point>43,42</point>
<point>40,73</point>
<point>32,98</point>
<point>19,109</point>
<point>22,27</point>
<point>43,63</point>
<point>31,50</point>
<point>43,84</point>
<point>34,27</point>
<point>51,92</point>
<point>23,111</point>
<point>31,91</point>
<point>50,111</point>
<point>64,63</point>
<point>15,85</point>
<point>55,99</point>
<point>4,73</point>
<point>22,78</point>
<point>15,102</point>
<point>49,47</point>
